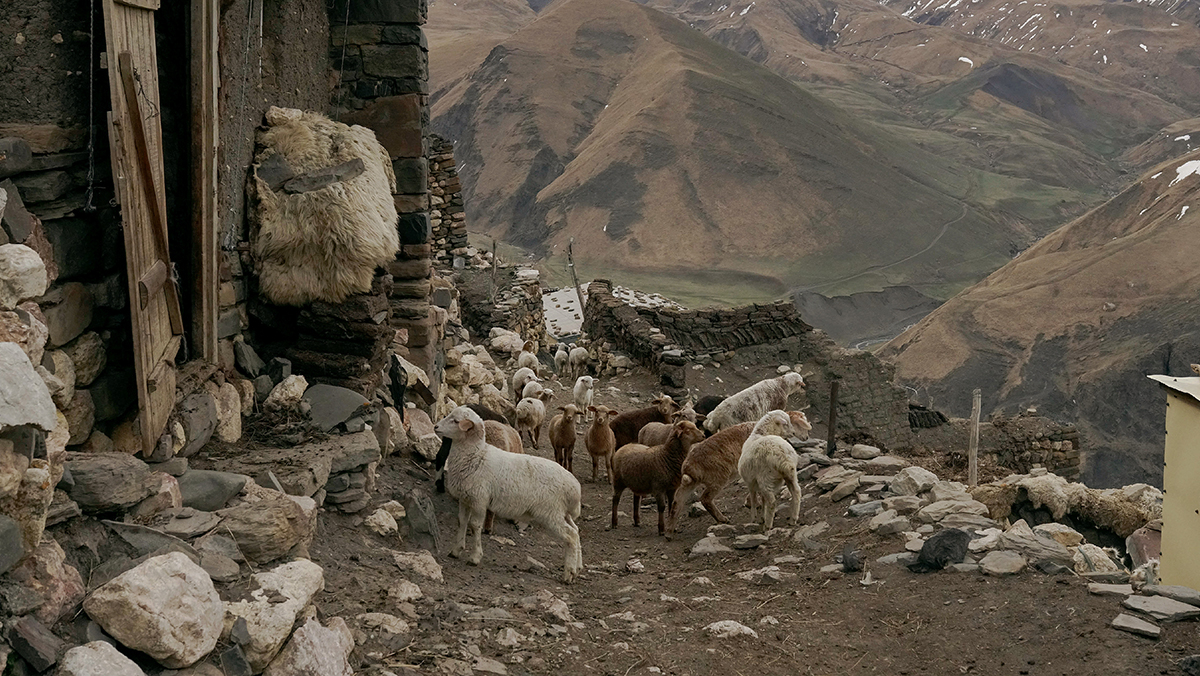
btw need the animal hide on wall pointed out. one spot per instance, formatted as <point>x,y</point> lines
<point>323,218</point>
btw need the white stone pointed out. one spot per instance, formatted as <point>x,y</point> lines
<point>913,480</point>
<point>270,623</point>
<point>165,607</point>
<point>315,651</point>
<point>949,490</point>
<point>1091,559</point>
<point>729,629</point>
<point>1002,563</point>
<point>708,545</point>
<point>394,508</point>
<point>1064,535</point>
<point>22,275</point>
<point>287,394</point>
<point>404,591</point>
<point>229,413</point>
<point>97,658</point>
<point>421,563</point>
<point>24,397</point>
<point>864,452</point>
<point>382,522</point>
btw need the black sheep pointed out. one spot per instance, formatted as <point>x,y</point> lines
<point>946,547</point>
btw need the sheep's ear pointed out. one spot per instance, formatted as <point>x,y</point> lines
<point>466,425</point>
<point>675,406</point>
<point>700,417</point>
<point>613,414</point>
<point>592,409</point>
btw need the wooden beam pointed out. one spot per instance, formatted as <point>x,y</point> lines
<point>157,208</point>
<point>205,220</point>
<point>141,4</point>
<point>973,444</point>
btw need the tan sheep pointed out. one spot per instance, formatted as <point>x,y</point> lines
<point>599,440</point>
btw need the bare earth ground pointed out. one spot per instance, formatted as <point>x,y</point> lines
<point>941,623</point>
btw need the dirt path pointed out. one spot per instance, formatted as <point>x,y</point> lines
<point>652,622</point>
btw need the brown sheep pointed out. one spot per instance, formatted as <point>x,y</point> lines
<point>562,435</point>
<point>653,470</point>
<point>713,462</point>
<point>599,440</point>
<point>656,433</point>
<point>626,426</point>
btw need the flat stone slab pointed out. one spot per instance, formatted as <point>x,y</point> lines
<point>749,541</point>
<point>1162,608</point>
<point>1174,591</point>
<point>1101,589</point>
<point>707,546</point>
<point>1135,625</point>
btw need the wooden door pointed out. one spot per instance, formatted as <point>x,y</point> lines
<point>135,130</point>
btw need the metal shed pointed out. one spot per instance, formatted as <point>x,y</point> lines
<point>1180,560</point>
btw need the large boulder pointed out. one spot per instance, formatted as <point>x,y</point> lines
<point>22,275</point>
<point>912,481</point>
<point>332,405</point>
<point>271,610</point>
<point>316,651</point>
<point>57,584</point>
<point>267,529</point>
<point>108,482</point>
<point>68,310</point>
<point>24,397</point>
<point>97,658</point>
<point>166,607</point>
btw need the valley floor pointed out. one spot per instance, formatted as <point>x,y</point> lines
<point>483,619</point>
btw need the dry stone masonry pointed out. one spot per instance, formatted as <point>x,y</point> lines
<point>446,215</point>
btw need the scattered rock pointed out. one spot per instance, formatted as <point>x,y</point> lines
<point>707,546</point>
<point>107,482</point>
<point>767,575</point>
<point>1062,534</point>
<point>166,607</point>
<point>749,541</point>
<point>22,275</point>
<point>247,360</point>
<point>269,528</point>
<point>936,511</point>
<point>845,489</point>
<point>1101,589</point>
<point>1003,562</point>
<point>729,629</point>
<point>198,413</point>
<point>270,613</point>
<point>421,519</point>
<point>421,563</point>
<point>98,658</point>
<point>912,481</point>
<point>1135,625</point>
<point>1162,608</point>
<point>229,413</point>
<point>864,452</point>
<point>287,394</point>
<point>866,508</point>
<point>888,523</point>
<point>332,405</point>
<point>404,591</point>
<point>1089,558</point>
<point>315,651</point>
<point>382,523</point>
<point>209,490</point>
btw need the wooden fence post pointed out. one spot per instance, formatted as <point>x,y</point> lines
<point>973,448</point>
<point>574,279</point>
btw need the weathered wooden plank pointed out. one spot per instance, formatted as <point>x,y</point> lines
<point>205,271</point>
<point>141,4</point>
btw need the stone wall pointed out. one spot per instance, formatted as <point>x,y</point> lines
<point>511,301</point>
<point>1018,442</point>
<point>446,215</point>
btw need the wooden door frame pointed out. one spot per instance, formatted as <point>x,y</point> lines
<point>204,71</point>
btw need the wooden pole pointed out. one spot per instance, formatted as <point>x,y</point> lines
<point>831,442</point>
<point>495,260</point>
<point>973,449</point>
<point>571,267</point>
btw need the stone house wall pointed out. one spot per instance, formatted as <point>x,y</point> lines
<point>1018,442</point>
<point>513,301</point>
<point>447,218</point>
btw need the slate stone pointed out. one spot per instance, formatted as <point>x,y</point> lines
<point>1101,589</point>
<point>262,388</point>
<point>198,413</point>
<point>219,567</point>
<point>346,496</point>
<point>1174,592</point>
<point>332,405</point>
<point>18,223</point>
<point>404,35</point>
<point>412,174</point>
<point>441,297</point>
<point>107,482</point>
<point>208,490</point>
<point>749,541</point>
<point>229,323</point>
<point>414,228</point>
<point>34,642</point>
<point>1162,608</point>
<point>422,521</point>
<point>1136,625</point>
<point>279,369</point>
<point>176,467</point>
<point>16,156</point>
<point>186,522</point>
<point>338,483</point>
<point>247,360</point>
<point>12,547</point>
<point>43,186</point>
<point>1190,666</point>
<point>325,177</point>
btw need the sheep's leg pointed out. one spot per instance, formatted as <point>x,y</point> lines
<point>617,491</point>
<point>753,500</point>
<point>664,503</point>
<point>770,500</point>
<point>460,541</point>
<point>569,456</point>
<point>566,530</point>
<point>794,488</point>
<point>709,499</point>
<point>487,522</point>
<point>608,461</point>
<point>595,469</point>
<point>637,510</point>
<point>478,515</point>
<point>683,495</point>
<point>536,435</point>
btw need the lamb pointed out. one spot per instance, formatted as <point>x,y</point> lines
<point>524,488</point>
<point>523,376</point>
<point>754,402</point>
<point>562,435</point>
<point>560,360</point>
<point>531,390</point>
<point>767,463</point>
<point>531,413</point>
<point>599,440</point>
<point>653,470</point>
<point>626,426</point>
<point>439,462</point>
<point>579,359</point>
<point>528,357</point>
<point>656,433</point>
<point>712,463</point>
<point>706,404</point>
<point>584,388</point>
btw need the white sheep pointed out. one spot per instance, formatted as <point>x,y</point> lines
<point>768,463</point>
<point>560,360</point>
<point>531,413</point>
<point>528,358</point>
<point>524,488</point>
<point>585,387</point>
<point>520,378</point>
<point>579,360</point>
<point>754,402</point>
<point>531,389</point>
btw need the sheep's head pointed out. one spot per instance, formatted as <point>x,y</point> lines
<point>800,424</point>
<point>545,395</point>
<point>776,423</point>
<point>687,432</point>
<point>528,346</point>
<point>666,405</point>
<point>461,423</point>
<point>792,382</point>
<point>569,411</point>
<point>587,382</point>
<point>686,414</point>
<point>604,415</point>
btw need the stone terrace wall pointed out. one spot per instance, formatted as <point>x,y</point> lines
<point>1017,443</point>
<point>670,342</point>
<point>446,215</point>
<point>517,306</point>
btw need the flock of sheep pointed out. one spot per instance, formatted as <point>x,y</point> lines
<point>665,450</point>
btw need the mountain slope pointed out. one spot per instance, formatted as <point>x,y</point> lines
<point>659,150</point>
<point>1074,324</point>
